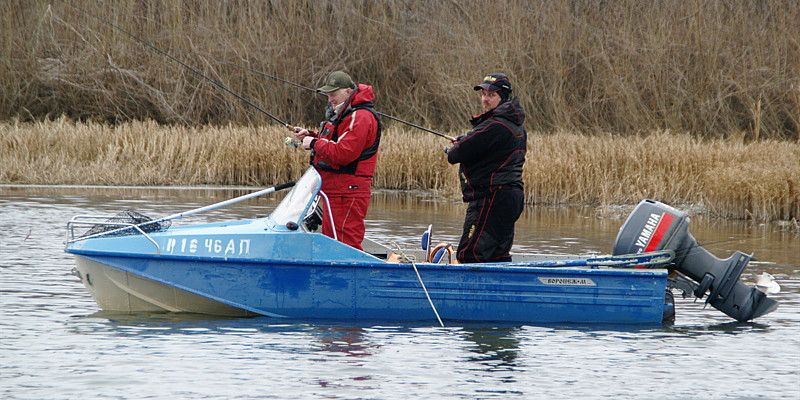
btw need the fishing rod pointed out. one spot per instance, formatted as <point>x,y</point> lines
<point>217,83</point>
<point>238,96</point>
<point>299,86</point>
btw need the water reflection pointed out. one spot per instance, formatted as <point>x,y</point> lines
<point>149,323</point>
<point>48,319</point>
<point>498,346</point>
<point>729,328</point>
<point>349,341</point>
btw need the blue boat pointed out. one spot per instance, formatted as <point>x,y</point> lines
<point>278,266</point>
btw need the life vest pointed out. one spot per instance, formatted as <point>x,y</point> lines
<point>329,130</point>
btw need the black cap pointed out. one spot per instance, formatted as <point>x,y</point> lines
<point>495,82</point>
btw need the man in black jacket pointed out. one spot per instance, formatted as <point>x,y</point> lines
<point>491,156</point>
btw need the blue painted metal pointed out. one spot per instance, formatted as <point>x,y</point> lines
<point>261,266</point>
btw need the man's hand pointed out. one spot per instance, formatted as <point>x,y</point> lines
<point>452,143</point>
<point>300,133</point>
<point>308,141</point>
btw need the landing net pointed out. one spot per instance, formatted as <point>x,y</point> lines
<point>128,217</point>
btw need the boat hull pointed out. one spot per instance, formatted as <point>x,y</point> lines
<point>119,291</point>
<point>375,291</point>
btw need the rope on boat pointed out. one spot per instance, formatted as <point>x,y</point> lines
<point>419,278</point>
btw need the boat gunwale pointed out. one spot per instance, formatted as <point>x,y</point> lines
<point>482,267</point>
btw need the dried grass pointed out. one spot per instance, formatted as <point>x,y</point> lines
<point>758,181</point>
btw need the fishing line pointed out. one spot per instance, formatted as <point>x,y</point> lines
<point>277,78</point>
<point>299,86</point>
<point>685,251</point>
<point>190,68</point>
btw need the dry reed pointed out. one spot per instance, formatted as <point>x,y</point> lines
<point>710,68</point>
<point>760,181</point>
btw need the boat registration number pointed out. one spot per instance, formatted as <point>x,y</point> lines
<point>210,246</point>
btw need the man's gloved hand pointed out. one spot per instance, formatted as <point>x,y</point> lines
<point>452,143</point>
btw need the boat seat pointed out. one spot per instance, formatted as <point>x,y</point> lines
<point>425,242</point>
<point>436,254</point>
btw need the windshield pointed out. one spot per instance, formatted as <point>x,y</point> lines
<point>295,205</point>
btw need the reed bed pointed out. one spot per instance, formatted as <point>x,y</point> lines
<point>759,181</point>
<point>710,68</point>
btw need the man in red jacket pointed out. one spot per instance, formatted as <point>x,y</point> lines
<point>345,152</point>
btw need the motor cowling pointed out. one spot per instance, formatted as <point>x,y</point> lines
<point>656,226</point>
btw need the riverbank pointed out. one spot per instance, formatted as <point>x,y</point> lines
<point>758,181</point>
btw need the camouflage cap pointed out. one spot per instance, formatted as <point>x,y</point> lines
<point>335,81</point>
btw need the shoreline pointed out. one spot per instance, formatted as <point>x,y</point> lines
<point>603,211</point>
<point>756,181</point>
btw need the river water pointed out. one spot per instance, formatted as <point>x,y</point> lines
<point>56,344</point>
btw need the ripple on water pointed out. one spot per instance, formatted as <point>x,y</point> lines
<point>54,343</point>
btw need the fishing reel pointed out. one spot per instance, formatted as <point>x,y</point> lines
<point>291,142</point>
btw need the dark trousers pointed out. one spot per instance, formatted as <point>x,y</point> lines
<point>489,226</point>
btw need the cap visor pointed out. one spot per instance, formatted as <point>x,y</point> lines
<point>327,89</point>
<point>486,86</point>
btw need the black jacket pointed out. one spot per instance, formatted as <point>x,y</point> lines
<point>493,152</point>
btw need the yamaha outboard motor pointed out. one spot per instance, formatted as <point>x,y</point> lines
<point>657,226</point>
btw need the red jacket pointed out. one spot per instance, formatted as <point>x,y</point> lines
<point>340,144</point>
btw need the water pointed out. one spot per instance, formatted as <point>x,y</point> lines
<point>54,343</point>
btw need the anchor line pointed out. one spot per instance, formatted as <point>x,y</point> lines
<point>216,83</point>
<point>419,278</point>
